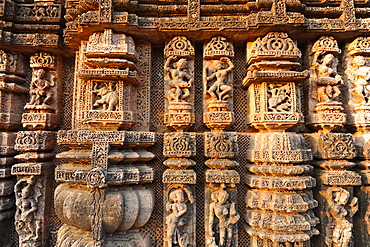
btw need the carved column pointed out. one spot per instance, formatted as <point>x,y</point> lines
<point>220,146</point>
<point>280,200</point>
<point>12,92</point>
<point>332,150</point>
<point>179,193</point>
<point>357,72</point>
<point>33,189</point>
<point>101,200</point>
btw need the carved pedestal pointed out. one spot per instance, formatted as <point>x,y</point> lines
<point>280,200</point>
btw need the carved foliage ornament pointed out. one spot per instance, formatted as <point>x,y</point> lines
<point>360,46</point>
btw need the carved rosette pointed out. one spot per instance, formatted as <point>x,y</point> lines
<point>179,83</point>
<point>107,81</point>
<point>325,104</point>
<point>44,104</point>
<point>280,201</point>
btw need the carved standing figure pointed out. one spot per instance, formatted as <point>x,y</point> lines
<point>40,91</point>
<point>27,193</point>
<point>361,74</point>
<point>108,97</point>
<point>177,207</point>
<point>340,210</point>
<point>327,77</point>
<point>220,88</point>
<point>222,218</point>
<point>181,81</point>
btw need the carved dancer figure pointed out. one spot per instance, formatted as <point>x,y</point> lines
<point>108,97</point>
<point>27,193</point>
<point>327,76</point>
<point>222,218</point>
<point>361,88</point>
<point>340,209</point>
<point>280,99</point>
<point>40,88</point>
<point>177,207</point>
<point>220,89</point>
<point>181,81</point>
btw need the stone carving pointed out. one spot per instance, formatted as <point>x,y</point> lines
<point>179,83</point>
<point>274,106</point>
<point>108,97</point>
<point>176,219</point>
<point>222,219</point>
<point>27,223</point>
<point>44,90</point>
<point>361,77</point>
<point>341,209</point>
<point>272,62</point>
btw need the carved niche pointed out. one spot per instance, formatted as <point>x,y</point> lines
<point>44,102</point>
<point>218,84</point>
<point>325,84</point>
<point>107,81</point>
<point>179,83</point>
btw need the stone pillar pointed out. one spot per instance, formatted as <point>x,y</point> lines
<point>179,192</point>
<point>331,150</point>
<point>12,95</point>
<point>33,190</point>
<point>280,201</point>
<point>101,199</point>
<point>359,107</point>
<point>219,145</point>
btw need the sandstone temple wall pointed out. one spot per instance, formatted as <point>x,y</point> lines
<point>184,123</point>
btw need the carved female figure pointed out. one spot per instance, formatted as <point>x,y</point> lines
<point>220,88</point>
<point>177,207</point>
<point>181,81</point>
<point>340,209</point>
<point>327,77</point>
<point>361,74</point>
<point>26,201</point>
<point>222,218</point>
<point>40,88</point>
<point>108,97</point>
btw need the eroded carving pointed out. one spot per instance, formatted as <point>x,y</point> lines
<point>342,206</point>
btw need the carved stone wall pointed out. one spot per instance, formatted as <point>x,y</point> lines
<point>186,123</point>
